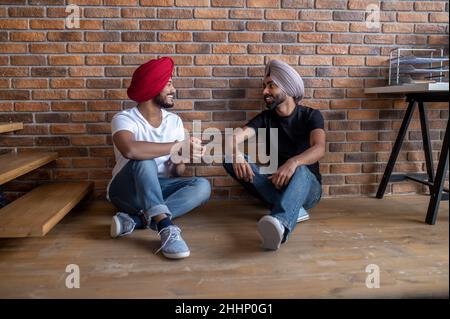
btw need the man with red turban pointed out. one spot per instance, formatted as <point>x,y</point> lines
<point>146,185</point>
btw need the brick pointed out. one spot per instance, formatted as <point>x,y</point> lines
<point>412,17</point>
<point>379,39</point>
<point>281,14</point>
<point>49,95</point>
<point>120,25</point>
<point>228,25</point>
<point>31,107</point>
<point>227,3</point>
<point>64,36</point>
<point>86,71</point>
<point>47,48</point>
<point>298,26</point>
<point>429,28</point>
<point>103,60</point>
<point>209,37</point>
<point>194,71</point>
<point>332,49</point>
<point>175,14</point>
<point>210,13</point>
<point>398,27</point>
<point>85,47</point>
<point>347,38</point>
<point>48,71</point>
<point>193,25</point>
<point>263,26</point>
<point>47,24</point>
<point>429,6</point>
<point>332,26</point>
<point>245,37</point>
<point>103,36</point>
<point>364,27</point>
<point>279,38</point>
<point>344,190</point>
<point>27,60</point>
<point>13,24</point>
<point>138,12</point>
<point>66,83</point>
<point>27,36</point>
<point>315,15</point>
<point>211,60</point>
<point>246,14</point>
<point>300,4</point>
<point>246,60</point>
<point>66,60</point>
<point>313,38</point>
<point>32,12</point>
<point>88,140</point>
<point>101,12</point>
<point>297,49</point>
<point>348,60</point>
<point>229,48</point>
<point>315,60</point>
<point>230,71</point>
<point>30,83</point>
<point>157,3</point>
<point>192,3</point>
<point>439,17</point>
<point>263,3</point>
<point>121,48</point>
<point>67,128</point>
<point>156,48</point>
<point>348,16</point>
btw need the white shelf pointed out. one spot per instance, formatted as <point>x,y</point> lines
<point>410,88</point>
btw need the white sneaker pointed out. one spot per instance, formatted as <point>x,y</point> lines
<point>302,215</point>
<point>271,232</point>
<point>122,224</point>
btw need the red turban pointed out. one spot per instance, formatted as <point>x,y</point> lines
<point>149,79</point>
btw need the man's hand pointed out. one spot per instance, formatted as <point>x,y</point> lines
<point>243,170</point>
<point>195,147</point>
<point>283,175</point>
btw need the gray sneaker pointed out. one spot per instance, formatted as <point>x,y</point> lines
<point>302,215</point>
<point>271,232</point>
<point>173,246</point>
<point>122,224</point>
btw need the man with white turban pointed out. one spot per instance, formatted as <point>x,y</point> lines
<point>296,184</point>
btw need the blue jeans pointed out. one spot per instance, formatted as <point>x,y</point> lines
<point>138,191</point>
<point>303,190</point>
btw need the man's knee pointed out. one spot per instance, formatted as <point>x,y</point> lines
<point>202,189</point>
<point>148,165</point>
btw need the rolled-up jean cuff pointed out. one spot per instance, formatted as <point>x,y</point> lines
<point>158,210</point>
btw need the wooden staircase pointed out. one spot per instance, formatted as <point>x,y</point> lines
<point>35,213</point>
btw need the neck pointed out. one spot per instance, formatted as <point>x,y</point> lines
<point>287,107</point>
<point>149,109</point>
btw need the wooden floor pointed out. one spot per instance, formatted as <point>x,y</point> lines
<point>326,257</point>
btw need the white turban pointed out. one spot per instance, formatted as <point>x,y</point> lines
<point>286,78</point>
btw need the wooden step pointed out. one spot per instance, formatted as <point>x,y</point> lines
<point>35,213</point>
<point>13,164</point>
<point>10,127</point>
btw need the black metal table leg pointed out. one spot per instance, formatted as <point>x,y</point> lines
<point>396,150</point>
<point>438,186</point>
<point>426,143</point>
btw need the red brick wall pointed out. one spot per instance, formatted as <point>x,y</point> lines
<point>66,84</point>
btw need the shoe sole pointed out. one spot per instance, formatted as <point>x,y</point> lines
<point>115,227</point>
<point>302,218</point>
<point>177,255</point>
<point>270,235</point>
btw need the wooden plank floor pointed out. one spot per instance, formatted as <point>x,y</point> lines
<point>326,256</point>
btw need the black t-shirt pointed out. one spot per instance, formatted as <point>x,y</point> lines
<point>293,132</point>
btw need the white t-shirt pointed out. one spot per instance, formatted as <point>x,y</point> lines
<point>170,130</point>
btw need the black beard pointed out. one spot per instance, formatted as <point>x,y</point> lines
<point>277,100</point>
<point>160,102</point>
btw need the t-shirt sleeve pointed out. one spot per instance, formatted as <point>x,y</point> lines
<point>122,122</point>
<point>315,120</point>
<point>257,122</point>
<point>180,130</point>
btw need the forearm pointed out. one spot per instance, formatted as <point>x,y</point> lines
<point>310,156</point>
<point>139,150</point>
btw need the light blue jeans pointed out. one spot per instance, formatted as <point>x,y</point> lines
<point>303,190</point>
<point>138,191</point>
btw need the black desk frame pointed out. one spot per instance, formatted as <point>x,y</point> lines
<point>435,183</point>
